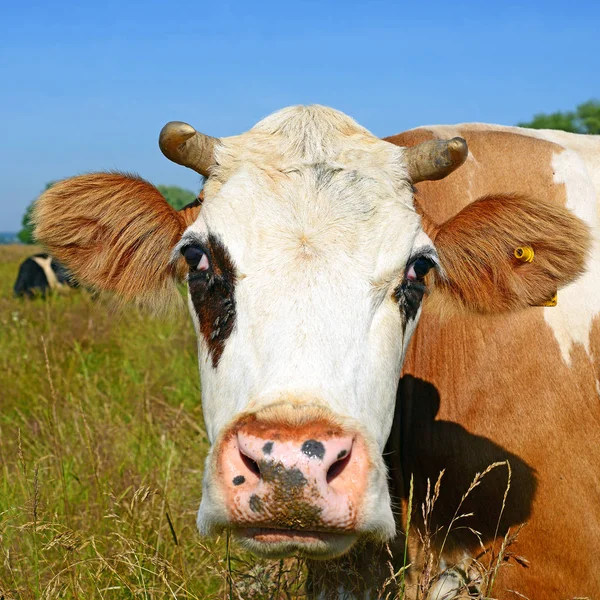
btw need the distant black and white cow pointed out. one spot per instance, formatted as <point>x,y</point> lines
<point>40,273</point>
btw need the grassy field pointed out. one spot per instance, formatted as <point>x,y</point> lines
<point>101,450</point>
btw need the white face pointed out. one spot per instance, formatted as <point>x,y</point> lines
<point>299,289</point>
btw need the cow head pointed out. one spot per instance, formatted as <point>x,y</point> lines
<point>305,267</point>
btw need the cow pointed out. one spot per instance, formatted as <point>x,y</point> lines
<point>522,387</point>
<point>316,249</point>
<point>39,274</point>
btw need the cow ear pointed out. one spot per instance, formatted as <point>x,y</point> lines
<point>114,232</point>
<point>477,253</point>
<point>189,213</point>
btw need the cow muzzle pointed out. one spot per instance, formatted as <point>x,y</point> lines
<point>292,487</point>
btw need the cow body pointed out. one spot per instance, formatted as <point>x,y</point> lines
<point>307,266</point>
<point>521,387</point>
<point>39,274</point>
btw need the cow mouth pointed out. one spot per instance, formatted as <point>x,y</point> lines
<point>279,543</point>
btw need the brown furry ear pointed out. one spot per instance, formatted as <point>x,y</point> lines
<point>189,213</point>
<point>114,232</point>
<point>476,249</point>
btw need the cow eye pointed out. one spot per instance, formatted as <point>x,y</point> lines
<point>418,268</point>
<point>196,258</point>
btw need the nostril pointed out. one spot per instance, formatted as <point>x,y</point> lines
<point>338,466</point>
<point>251,464</point>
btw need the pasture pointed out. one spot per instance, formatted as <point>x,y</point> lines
<point>101,449</point>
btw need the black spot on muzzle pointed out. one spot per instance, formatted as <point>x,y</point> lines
<point>255,503</point>
<point>313,449</point>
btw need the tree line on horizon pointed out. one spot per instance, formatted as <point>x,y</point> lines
<point>584,119</point>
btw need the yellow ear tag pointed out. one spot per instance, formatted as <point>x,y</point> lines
<point>552,302</point>
<point>524,253</point>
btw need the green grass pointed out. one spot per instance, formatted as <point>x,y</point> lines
<point>102,447</point>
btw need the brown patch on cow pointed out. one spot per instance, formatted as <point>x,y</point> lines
<point>499,163</point>
<point>114,232</point>
<point>283,421</point>
<point>476,249</point>
<point>213,296</point>
<point>478,389</point>
<point>595,348</point>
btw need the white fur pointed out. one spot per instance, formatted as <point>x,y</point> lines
<point>46,265</point>
<point>578,305</point>
<point>317,215</point>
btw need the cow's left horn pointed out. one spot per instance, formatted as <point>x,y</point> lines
<point>435,159</point>
<point>182,144</point>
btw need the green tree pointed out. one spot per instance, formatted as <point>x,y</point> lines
<point>177,197</point>
<point>26,233</point>
<point>585,119</point>
<point>588,114</point>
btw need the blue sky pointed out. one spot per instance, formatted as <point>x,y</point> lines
<point>87,86</point>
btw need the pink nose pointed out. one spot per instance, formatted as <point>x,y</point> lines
<point>308,478</point>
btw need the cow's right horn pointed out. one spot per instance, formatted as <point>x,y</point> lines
<point>182,144</point>
<point>435,159</point>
